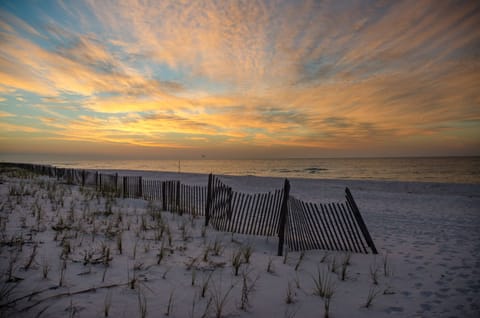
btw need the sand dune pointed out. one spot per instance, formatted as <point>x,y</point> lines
<point>68,251</point>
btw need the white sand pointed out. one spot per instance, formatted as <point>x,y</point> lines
<point>428,233</point>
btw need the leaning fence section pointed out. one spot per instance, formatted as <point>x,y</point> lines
<point>254,214</point>
<point>245,213</point>
<point>329,226</point>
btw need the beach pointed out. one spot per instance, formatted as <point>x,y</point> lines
<point>105,255</point>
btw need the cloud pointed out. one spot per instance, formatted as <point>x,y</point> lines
<point>84,66</point>
<point>10,22</point>
<point>6,114</point>
<point>17,128</point>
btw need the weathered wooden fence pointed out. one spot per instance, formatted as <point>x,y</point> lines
<point>298,224</point>
<point>301,225</point>
<point>173,195</point>
<point>332,226</point>
<point>232,211</point>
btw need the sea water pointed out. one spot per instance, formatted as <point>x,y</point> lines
<point>435,169</point>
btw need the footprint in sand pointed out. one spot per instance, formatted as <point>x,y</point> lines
<point>440,295</point>
<point>394,309</point>
<point>475,286</point>
<point>462,290</point>
<point>464,275</point>
<point>474,307</point>
<point>426,293</point>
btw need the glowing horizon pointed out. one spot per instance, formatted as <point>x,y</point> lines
<point>240,79</point>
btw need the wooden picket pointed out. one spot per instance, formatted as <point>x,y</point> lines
<point>332,226</point>
<point>254,214</point>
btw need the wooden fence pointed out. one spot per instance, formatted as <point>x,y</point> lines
<point>254,214</point>
<point>173,195</point>
<point>298,224</point>
<point>332,226</point>
<point>301,225</point>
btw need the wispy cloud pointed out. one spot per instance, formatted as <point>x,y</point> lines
<point>6,127</point>
<point>6,114</point>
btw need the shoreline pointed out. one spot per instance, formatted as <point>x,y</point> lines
<point>264,183</point>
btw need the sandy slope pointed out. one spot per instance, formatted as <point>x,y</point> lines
<point>427,234</point>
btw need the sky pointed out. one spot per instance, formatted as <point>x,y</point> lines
<point>239,79</point>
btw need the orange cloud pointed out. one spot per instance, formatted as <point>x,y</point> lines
<point>17,128</point>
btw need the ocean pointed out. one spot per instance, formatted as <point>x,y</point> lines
<point>422,169</point>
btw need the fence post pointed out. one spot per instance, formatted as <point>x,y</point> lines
<point>164,196</point>
<point>209,198</point>
<point>116,185</point>
<point>283,217</point>
<point>179,211</point>
<point>140,190</point>
<point>124,186</point>
<point>361,223</point>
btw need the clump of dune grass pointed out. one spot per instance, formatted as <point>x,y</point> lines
<point>217,247</point>
<point>327,300</point>
<point>323,283</point>
<point>45,268</point>
<point>289,298</point>
<point>387,268</point>
<point>333,265</point>
<point>248,286</point>
<point>194,276</point>
<point>161,253</point>
<point>236,261</point>
<point>31,258</point>
<point>107,304</point>
<point>63,268</point>
<point>300,258</point>
<point>247,253</point>
<point>374,270</point>
<point>345,264</point>
<point>205,282</point>
<point>220,299</point>
<point>169,310</point>
<point>270,268</point>
<point>372,294</point>
<point>142,304</point>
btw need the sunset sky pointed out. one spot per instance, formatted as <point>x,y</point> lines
<point>239,79</point>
